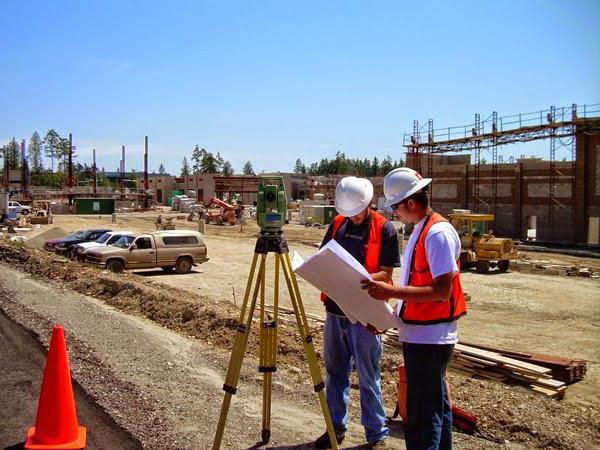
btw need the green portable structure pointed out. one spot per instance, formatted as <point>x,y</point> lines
<point>173,194</point>
<point>323,214</point>
<point>95,205</point>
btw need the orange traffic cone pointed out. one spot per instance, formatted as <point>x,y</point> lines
<point>56,424</point>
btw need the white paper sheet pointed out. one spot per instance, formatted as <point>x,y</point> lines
<point>337,273</point>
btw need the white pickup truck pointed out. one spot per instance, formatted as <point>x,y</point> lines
<point>108,238</point>
<point>21,209</point>
<point>179,250</point>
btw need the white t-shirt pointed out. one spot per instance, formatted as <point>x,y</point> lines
<point>442,246</point>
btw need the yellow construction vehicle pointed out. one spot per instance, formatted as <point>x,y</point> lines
<point>479,246</point>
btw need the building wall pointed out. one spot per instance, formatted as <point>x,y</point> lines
<point>524,192</point>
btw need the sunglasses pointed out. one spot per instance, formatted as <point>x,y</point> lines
<point>395,206</point>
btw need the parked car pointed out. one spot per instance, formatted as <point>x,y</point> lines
<point>50,244</point>
<point>65,246</point>
<point>21,209</point>
<point>108,238</point>
<point>174,249</point>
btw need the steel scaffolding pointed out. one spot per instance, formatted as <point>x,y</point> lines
<point>554,124</point>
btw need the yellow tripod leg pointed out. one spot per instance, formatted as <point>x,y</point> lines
<point>239,347</point>
<point>309,348</point>
<point>266,364</point>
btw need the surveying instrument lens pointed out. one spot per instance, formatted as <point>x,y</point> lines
<point>270,212</point>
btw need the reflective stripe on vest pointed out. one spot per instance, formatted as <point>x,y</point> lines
<point>420,275</point>
<point>377,222</point>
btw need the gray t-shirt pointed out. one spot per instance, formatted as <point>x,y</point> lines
<point>354,238</point>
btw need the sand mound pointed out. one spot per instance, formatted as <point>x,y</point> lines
<point>52,233</point>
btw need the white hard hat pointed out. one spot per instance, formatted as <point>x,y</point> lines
<point>353,195</point>
<point>401,183</point>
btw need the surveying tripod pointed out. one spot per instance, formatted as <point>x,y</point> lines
<point>265,244</point>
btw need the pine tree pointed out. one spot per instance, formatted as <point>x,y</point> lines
<point>227,169</point>
<point>208,163</point>
<point>386,165</point>
<point>197,160</point>
<point>248,169</point>
<point>161,169</point>
<point>298,166</point>
<point>34,153</point>
<point>11,154</point>
<point>51,141</point>
<point>219,162</point>
<point>62,152</point>
<point>375,170</point>
<point>185,167</point>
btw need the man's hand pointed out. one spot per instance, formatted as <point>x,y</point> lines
<point>374,330</point>
<point>378,289</point>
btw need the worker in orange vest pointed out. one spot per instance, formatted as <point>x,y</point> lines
<point>372,240</point>
<point>430,303</point>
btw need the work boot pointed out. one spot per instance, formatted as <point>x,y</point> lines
<point>324,442</point>
<point>379,445</point>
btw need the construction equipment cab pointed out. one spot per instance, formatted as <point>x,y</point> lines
<point>179,250</point>
<point>479,246</point>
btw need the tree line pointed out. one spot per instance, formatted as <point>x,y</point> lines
<point>203,161</point>
<point>54,148</point>
<point>341,165</point>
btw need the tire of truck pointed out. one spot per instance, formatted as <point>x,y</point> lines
<point>167,268</point>
<point>503,265</point>
<point>115,266</point>
<point>183,265</point>
<point>25,212</point>
<point>482,266</point>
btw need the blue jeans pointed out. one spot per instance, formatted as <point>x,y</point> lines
<point>427,406</point>
<point>343,344</point>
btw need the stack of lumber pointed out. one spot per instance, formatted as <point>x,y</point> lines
<point>545,374</point>
<point>563,369</point>
<point>493,365</point>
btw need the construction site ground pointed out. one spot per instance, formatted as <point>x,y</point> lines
<point>149,350</point>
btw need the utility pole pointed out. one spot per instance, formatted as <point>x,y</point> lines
<point>70,179</point>
<point>94,171</point>
<point>122,174</point>
<point>146,172</point>
<point>24,170</point>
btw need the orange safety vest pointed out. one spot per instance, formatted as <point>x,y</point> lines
<point>420,275</point>
<point>373,244</point>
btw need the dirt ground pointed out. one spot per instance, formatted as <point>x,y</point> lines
<point>522,311</point>
<point>556,315</point>
<point>22,358</point>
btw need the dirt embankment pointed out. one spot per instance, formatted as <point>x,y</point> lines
<point>508,413</point>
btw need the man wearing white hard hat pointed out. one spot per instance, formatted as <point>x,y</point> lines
<point>372,240</point>
<point>431,302</point>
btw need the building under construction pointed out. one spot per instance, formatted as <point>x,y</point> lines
<point>557,201</point>
<point>128,193</point>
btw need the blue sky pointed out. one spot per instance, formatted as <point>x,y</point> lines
<point>271,81</point>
